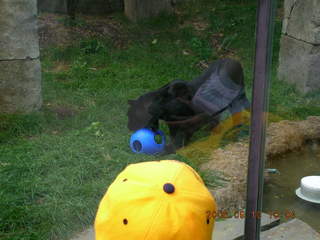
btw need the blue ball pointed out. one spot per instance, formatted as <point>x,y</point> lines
<point>144,141</point>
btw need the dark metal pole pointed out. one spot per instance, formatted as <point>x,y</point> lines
<point>262,71</point>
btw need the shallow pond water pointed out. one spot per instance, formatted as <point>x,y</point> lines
<point>279,192</point>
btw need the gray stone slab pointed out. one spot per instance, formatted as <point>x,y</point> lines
<point>302,20</point>
<point>20,86</point>
<point>293,230</point>
<point>299,64</point>
<point>288,5</point>
<point>18,29</point>
<point>224,230</point>
<point>232,228</point>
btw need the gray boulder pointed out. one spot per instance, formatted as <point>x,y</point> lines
<point>302,20</point>
<point>299,64</point>
<point>20,78</point>
<point>299,59</point>
<point>20,86</point>
<point>18,29</point>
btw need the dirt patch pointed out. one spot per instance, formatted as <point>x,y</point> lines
<point>284,136</point>
<point>62,111</point>
<point>60,67</point>
<point>58,30</point>
<point>197,24</point>
<point>231,163</point>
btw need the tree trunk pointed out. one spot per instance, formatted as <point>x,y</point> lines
<point>20,78</point>
<point>141,9</point>
<point>72,8</point>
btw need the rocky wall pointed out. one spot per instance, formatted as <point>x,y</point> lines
<point>299,58</point>
<point>20,78</point>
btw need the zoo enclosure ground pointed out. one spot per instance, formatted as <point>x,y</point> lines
<point>56,164</point>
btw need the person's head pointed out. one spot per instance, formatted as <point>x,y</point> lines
<point>159,200</point>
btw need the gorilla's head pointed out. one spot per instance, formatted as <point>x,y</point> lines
<point>138,115</point>
<point>164,100</point>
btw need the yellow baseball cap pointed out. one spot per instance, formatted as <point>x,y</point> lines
<point>158,200</point>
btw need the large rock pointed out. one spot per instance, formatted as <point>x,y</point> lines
<point>302,20</point>
<point>288,5</point>
<point>20,78</point>
<point>299,64</point>
<point>137,10</point>
<point>18,29</point>
<point>300,44</point>
<point>20,86</point>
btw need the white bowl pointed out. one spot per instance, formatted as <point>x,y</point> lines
<point>309,189</point>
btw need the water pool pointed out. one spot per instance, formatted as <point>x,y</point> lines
<point>279,192</point>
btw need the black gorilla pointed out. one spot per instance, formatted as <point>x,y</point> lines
<point>188,105</point>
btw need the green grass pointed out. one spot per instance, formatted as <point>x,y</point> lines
<point>56,164</point>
